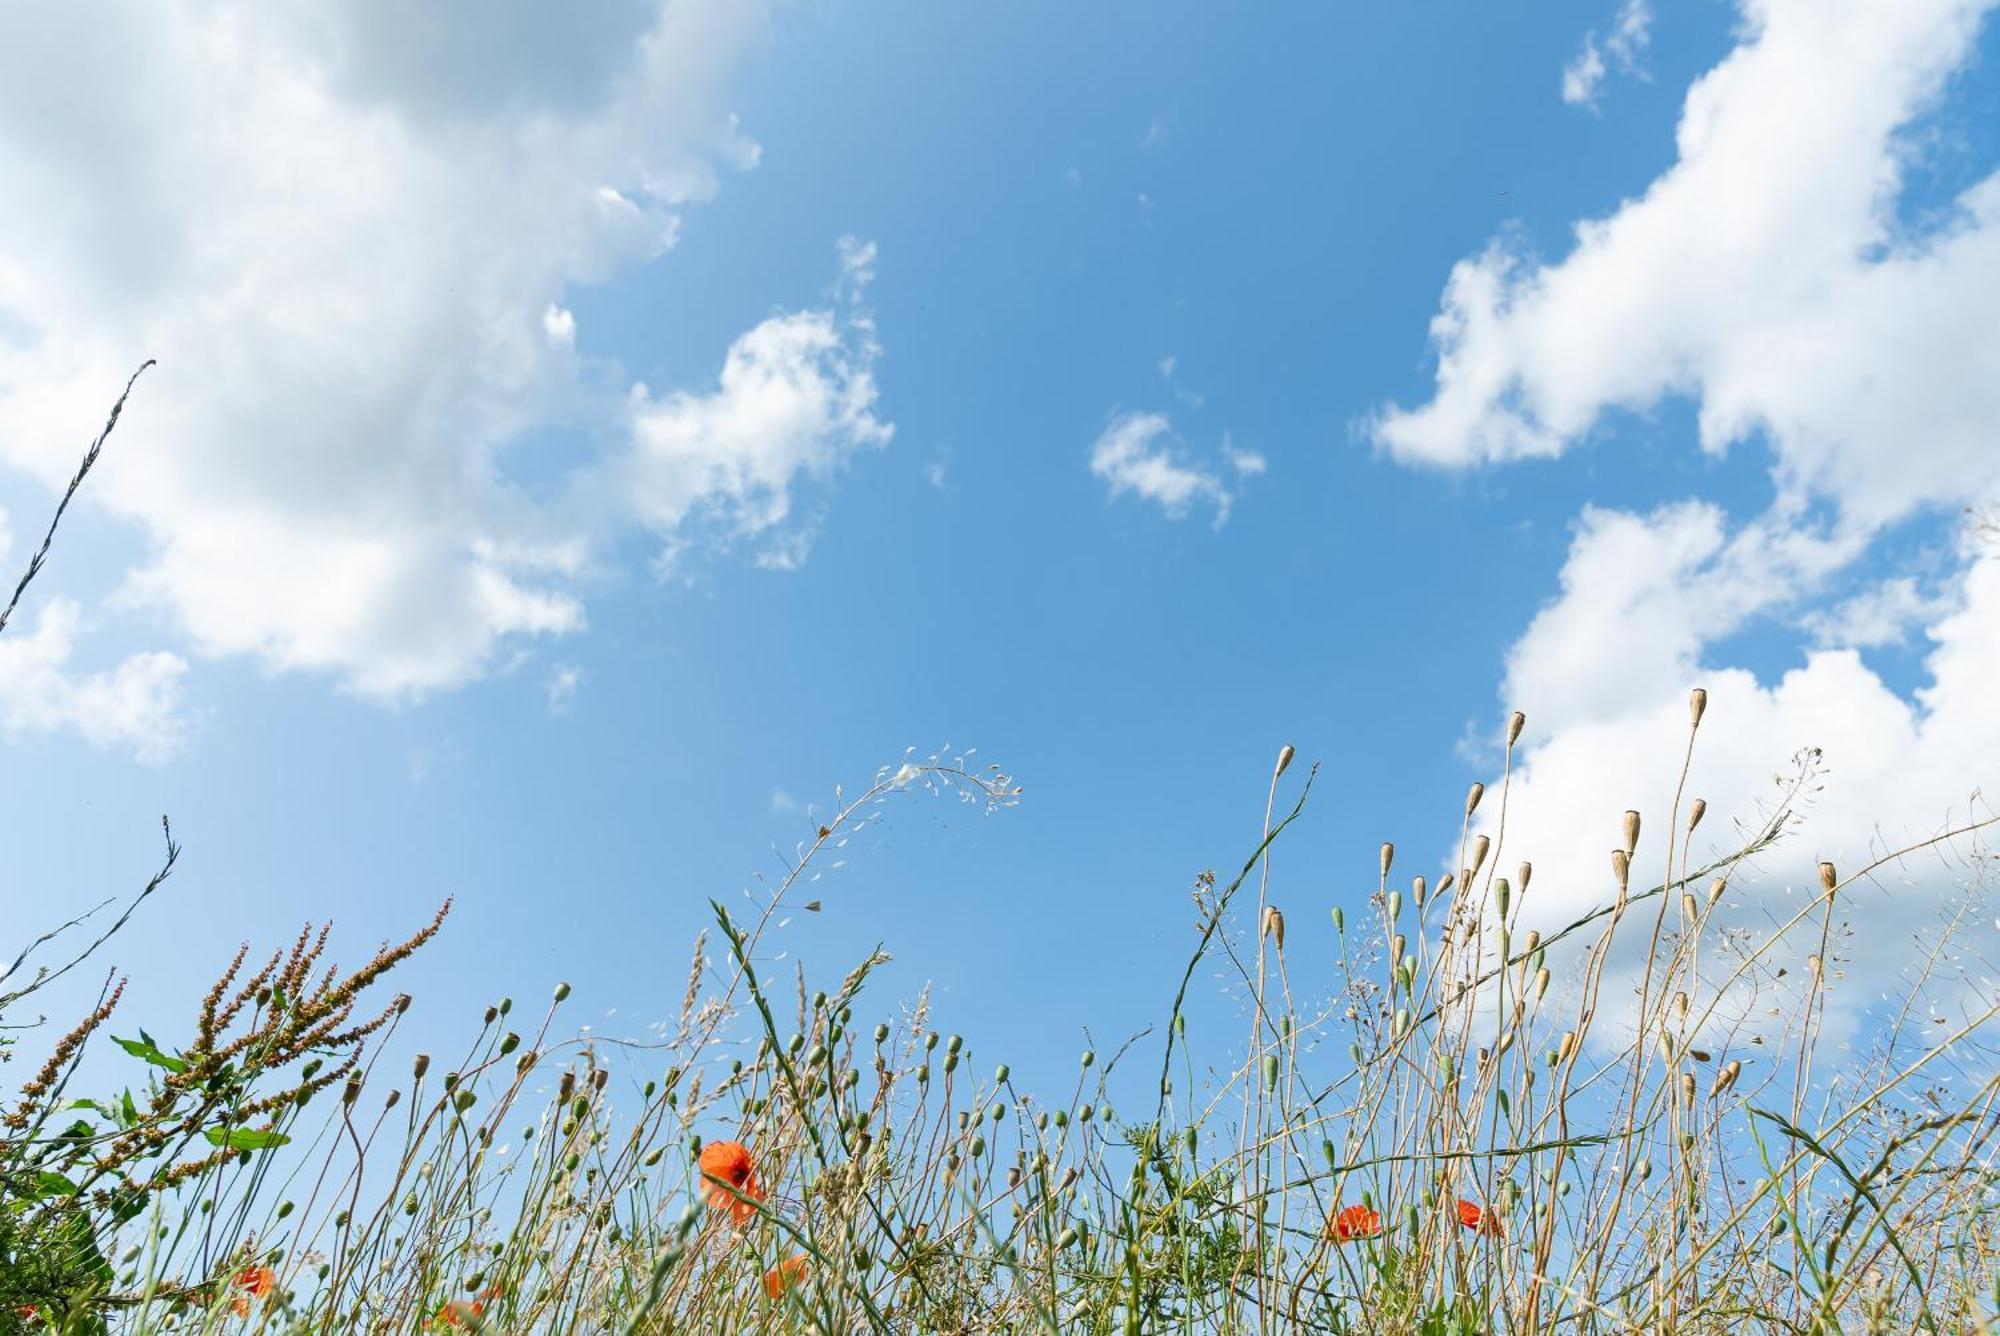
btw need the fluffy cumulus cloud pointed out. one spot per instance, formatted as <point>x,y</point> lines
<point>347,233</point>
<point>1774,276</point>
<point>134,707</point>
<point>1139,454</point>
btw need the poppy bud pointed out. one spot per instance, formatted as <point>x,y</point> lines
<point>1503,897</point>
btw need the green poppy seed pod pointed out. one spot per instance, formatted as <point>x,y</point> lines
<point>580,1109</point>
<point>881,1034</point>
<point>506,1005</point>
<point>1067,1239</point>
<point>1000,1074</point>
<point>1354,1051</point>
<point>1644,1169</point>
<point>1697,706</point>
<point>1388,857</point>
<point>1085,1113</point>
<point>1402,1021</point>
<point>395,1097</point>
<point>1621,868</point>
<point>997,1112</point>
<point>1696,812</point>
<point>284,1209</point>
<point>1631,832</point>
<point>930,1041</point>
<point>1827,878</point>
<point>1270,1071</point>
<point>1417,888</point>
<point>1395,905</point>
<point>1515,723</point>
<point>1503,898</point>
<point>1480,847</point>
<point>815,1055</point>
<point>509,1044</point>
<point>1285,754</point>
<point>1339,920</point>
<point>953,1044</point>
<point>978,1147</point>
<point>464,1100</point>
<point>562,992</point>
<point>653,1157</point>
<point>950,1063</point>
<point>819,1001</point>
<point>410,1203</point>
<point>422,1065</point>
<point>1062,1119</point>
<point>1472,797</point>
<point>924,1074</point>
<point>1541,982</point>
<point>1088,1057</point>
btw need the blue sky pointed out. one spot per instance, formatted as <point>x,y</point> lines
<point>1241,221</point>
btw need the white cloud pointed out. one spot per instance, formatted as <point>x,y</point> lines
<point>564,680</point>
<point>1139,453</point>
<point>1882,615</point>
<point>135,706</point>
<point>1603,675</point>
<point>347,233</point>
<point>1769,275</point>
<point>1765,274</point>
<point>1622,49</point>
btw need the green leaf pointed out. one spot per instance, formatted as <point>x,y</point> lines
<point>146,1050</point>
<point>48,1183</point>
<point>245,1138</point>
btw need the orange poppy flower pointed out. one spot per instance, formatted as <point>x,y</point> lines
<point>460,1313</point>
<point>256,1282</point>
<point>1354,1222</point>
<point>1477,1220</point>
<point>784,1275</point>
<point>728,1163</point>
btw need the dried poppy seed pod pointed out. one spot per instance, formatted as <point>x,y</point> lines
<point>1397,945</point>
<point>1521,876</point>
<point>1621,868</point>
<point>1472,797</point>
<point>1285,754</point>
<point>1388,857</point>
<point>1418,887</point>
<point>1566,1047</point>
<point>1680,1008</point>
<point>422,1065</point>
<point>1715,890</point>
<point>1530,943</point>
<point>1726,1077</point>
<point>1480,847</point>
<point>1696,812</point>
<point>1541,982</point>
<point>1445,884</point>
<point>1697,706</point>
<point>1274,925</point>
<point>1690,909</point>
<point>1631,829</point>
<point>1515,723</point>
<point>1687,1090</point>
<point>1827,878</point>
<point>352,1092</point>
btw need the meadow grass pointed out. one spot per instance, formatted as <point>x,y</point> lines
<point>1470,1127</point>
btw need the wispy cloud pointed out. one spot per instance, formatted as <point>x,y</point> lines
<point>1621,49</point>
<point>1139,454</point>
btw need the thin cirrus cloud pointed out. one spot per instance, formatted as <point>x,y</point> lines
<point>1771,276</point>
<point>1139,454</point>
<point>346,233</point>
<point>1621,50</point>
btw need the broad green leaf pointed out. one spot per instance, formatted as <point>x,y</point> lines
<point>146,1050</point>
<point>245,1138</point>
